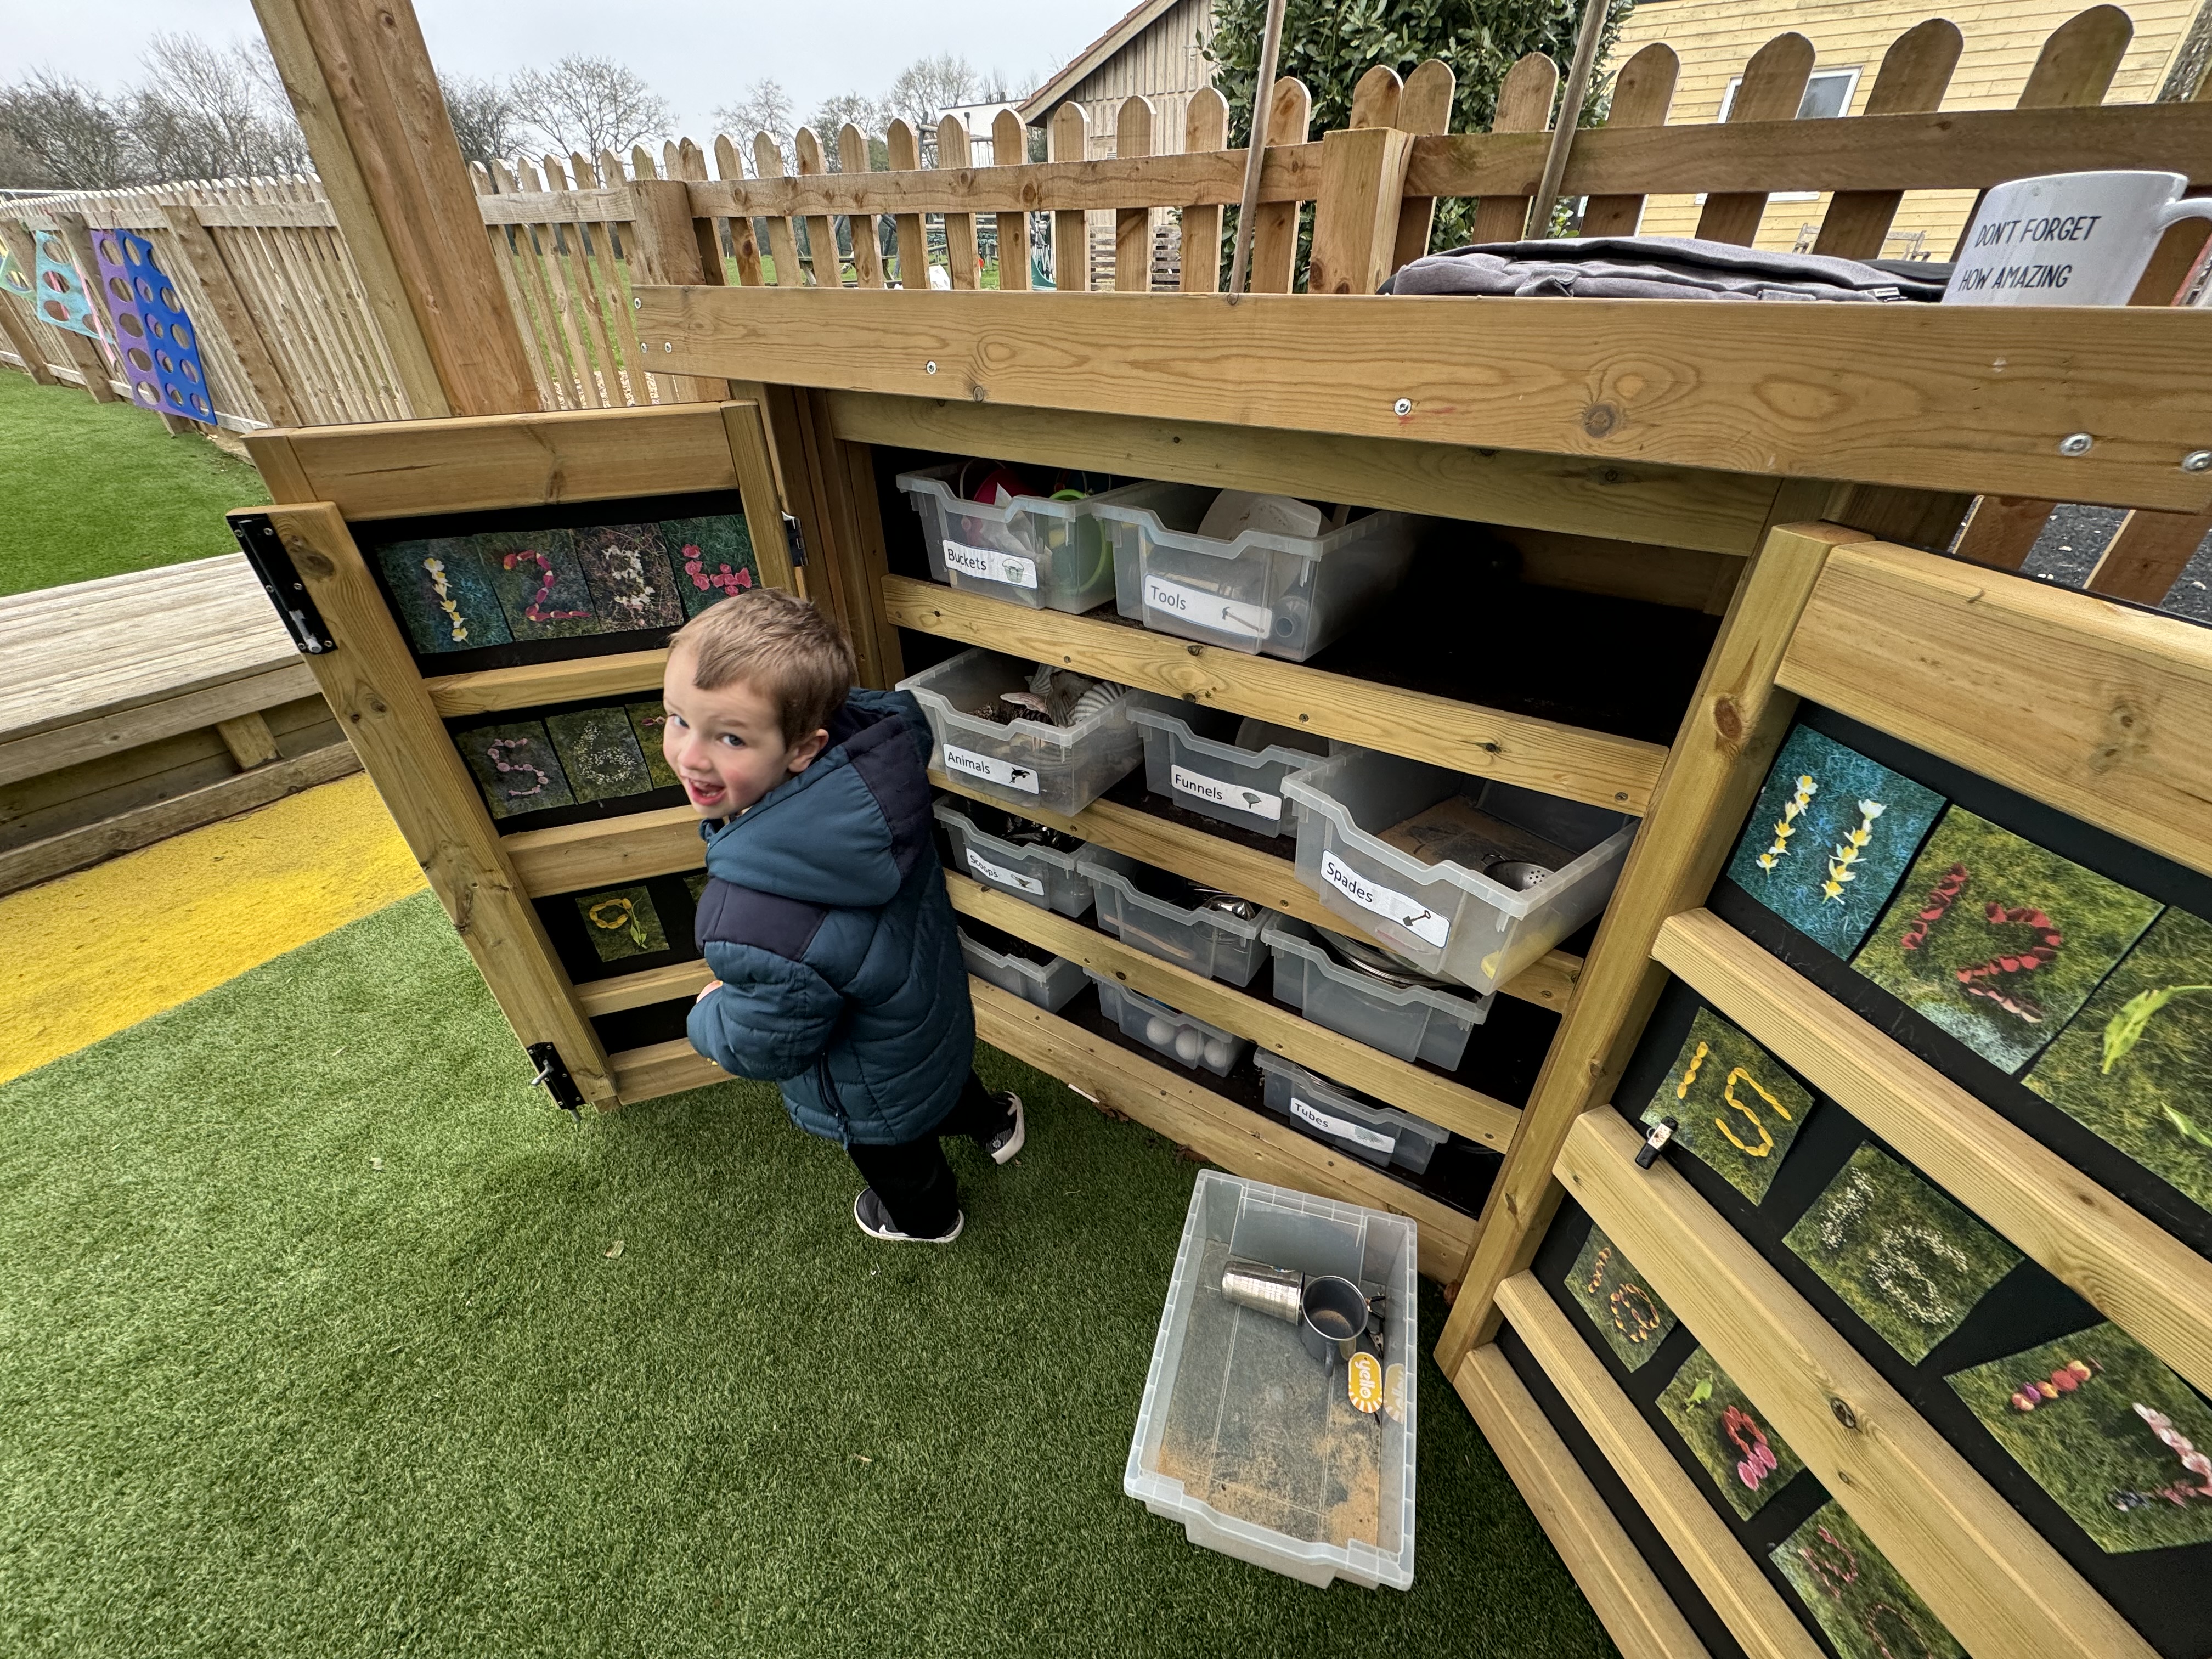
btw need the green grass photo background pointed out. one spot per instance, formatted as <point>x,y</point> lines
<point>1735,1109</point>
<point>1862,1603</point>
<point>1627,1312</point>
<point>263,1396</point>
<point>1697,1402</point>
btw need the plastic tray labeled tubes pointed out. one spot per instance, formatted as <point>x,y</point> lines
<point>1248,1440</point>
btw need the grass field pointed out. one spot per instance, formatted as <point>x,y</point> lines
<point>95,489</point>
<point>320,1342</point>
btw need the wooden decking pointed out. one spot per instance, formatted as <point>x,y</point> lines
<point>138,706</point>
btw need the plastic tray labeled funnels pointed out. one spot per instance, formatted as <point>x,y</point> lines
<point>1026,764</point>
<point>1246,1441</point>
<point>1206,941</point>
<point>1447,916</point>
<point>1264,593</point>
<point>1042,876</point>
<point>1219,779</point>
<point>1412,1022</point>
<point>1186,1041</point>
<point>1047,554</point>
<point>1050,985</point>
<point>1381,1135</point>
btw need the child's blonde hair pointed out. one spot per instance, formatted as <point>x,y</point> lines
<point>781,646</point>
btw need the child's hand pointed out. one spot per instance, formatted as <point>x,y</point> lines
<point>711,986</point>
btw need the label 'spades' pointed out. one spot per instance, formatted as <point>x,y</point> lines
<point>1258,802</point>
<point>1208,609</point>
<point>990,564</point>
<point>1364,1381</point>
<point>1416,919</point>
<point>1004,877</point>
<point>990,769</point>
<point>1343,1128</point>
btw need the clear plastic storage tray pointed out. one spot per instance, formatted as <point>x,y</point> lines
<point>1242,1436</point>
<point>1286,596</point>
<point>1445,917</point>
<point>1046,878</point>
<point>1207,942</point>
<point>1192,1042</point>
<point>1382,1135</point>
<point>1216,779</point>
<point>1047,554</point>
<point>1030,763</point>
<point>1049,985</point>
<point>1413,1022</point>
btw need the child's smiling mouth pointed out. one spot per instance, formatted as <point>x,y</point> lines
<point>704,793</point>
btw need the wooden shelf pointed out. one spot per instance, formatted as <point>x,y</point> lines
<point>491,690</point>
<point>1998,1585</point>
<point>1592,767</point>
<point>612,996</point>
<point>1266,878</point>
<point>606,851</point>
<point>1170,1101</point>
<point>1624,1592</point>
<point>661,1068</point>
<point>1488,1122</point>
<point>1741,1594</point>
<point>2130,1268</point>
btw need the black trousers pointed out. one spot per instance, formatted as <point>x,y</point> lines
<point>913,1179</point>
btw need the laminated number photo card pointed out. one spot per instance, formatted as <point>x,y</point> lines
<point>1747,1460</point>
<point>1735,1110</point>
<point>1626,1312</point>
<point>1862,1604</point>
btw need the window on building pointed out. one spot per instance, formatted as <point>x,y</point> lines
<point>1827,94</point>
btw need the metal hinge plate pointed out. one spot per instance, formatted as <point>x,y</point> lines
<point>553,1074</point>
<point>264,550</point>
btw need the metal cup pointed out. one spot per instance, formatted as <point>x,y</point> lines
<point>1333,1314</point>
<point>1273,1291</point>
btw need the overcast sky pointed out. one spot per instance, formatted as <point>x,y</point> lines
<point>697,55</point>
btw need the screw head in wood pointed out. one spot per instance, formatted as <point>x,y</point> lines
<point>2076,443</point>
<point>668,345</point>
<point>2198,460</point>
<point>929,369</point>
<point>1403,408</point>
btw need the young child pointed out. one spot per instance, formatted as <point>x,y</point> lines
<point>825,919</point>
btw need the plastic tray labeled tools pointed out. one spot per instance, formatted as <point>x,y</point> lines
<point>1043,876</point>
<point>1048,984</point>
<point>1216,778</point>
<point>1189,1042</point>
<point>1412,1021</point>
<point>1381,1135</point>
<point>1465,878</point>
<point>1263,592</point>
<point>1206,939</point>
<point>1048,554</point>
<point>1026,763</point>
<point>1245,1437</point>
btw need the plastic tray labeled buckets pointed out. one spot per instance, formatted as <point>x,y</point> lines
<point>1448,916</point>
<point>1212,942</point>
<point>1028,763</point>
<point>1248,1440</point>
<point>1215,778</point>
<point>1047,554</point>
<point>1282,596</point>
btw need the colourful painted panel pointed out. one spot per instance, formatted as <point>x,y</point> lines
<point>1733,1106</point>
<point>166,345</point>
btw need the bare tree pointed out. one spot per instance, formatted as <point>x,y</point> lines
<point>64,135</point>
<point>589,104</point>
<point>484,117</point>
<point>763,106</point>
<point>926,88</point>
<point>206,111</point>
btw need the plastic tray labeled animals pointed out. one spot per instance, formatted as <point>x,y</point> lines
<point>2064,977</point>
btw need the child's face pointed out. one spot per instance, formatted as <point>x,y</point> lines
<point>726,745</point>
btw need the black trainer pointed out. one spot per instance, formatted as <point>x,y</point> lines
<point>875,1221</point>
<point>1004,1142</point>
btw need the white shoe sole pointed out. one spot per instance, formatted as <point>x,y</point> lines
<point>891,1235</point>
<point>1021,1133</point>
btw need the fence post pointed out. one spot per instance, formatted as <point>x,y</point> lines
<point>205,276</point>
<point>84,356</point>
<point>360,78</point>
<point>24,343</point>
<point>666,249</point>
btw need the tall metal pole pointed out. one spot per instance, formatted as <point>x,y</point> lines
<point>1263,101</point>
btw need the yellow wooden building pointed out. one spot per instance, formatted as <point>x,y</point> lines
<point>1716,38</point>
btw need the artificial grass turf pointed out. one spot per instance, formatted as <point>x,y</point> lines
<point>265,1397</point>
<point>95,489</point>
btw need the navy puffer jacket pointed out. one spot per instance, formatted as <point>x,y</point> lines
<point>826,919</point>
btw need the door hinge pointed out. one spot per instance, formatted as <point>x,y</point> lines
<point>265,551</point>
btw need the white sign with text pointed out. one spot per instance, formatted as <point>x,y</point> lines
<point>1258,802</point>
<point>2068,239</point>
<point>990,564</point>
<point>1414,917</point>
<point>990,769</point>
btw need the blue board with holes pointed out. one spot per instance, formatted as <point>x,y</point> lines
<point>160,345</point>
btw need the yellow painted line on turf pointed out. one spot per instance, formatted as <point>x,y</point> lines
<point>84,957</point>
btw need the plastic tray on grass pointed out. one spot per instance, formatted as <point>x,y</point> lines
<point>1029,763</point>
<point>1413,1022</point>
<point>1382,1135</point>
<point>1242,1436</point>
<point>1042,876</point>
<point>1186,1041</point>
<point>1047,554</point>
<point>1050,985</point>
<point>1208,942</point>
<point>1445,918</point>
<point>1264,593</point>
<point>1215,779</point>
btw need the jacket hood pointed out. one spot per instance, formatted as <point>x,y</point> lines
<point>849,830</point>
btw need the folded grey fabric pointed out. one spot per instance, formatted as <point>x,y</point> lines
<point>1650,268</point>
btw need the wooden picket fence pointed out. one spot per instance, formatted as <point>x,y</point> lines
<point>291,337</point>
